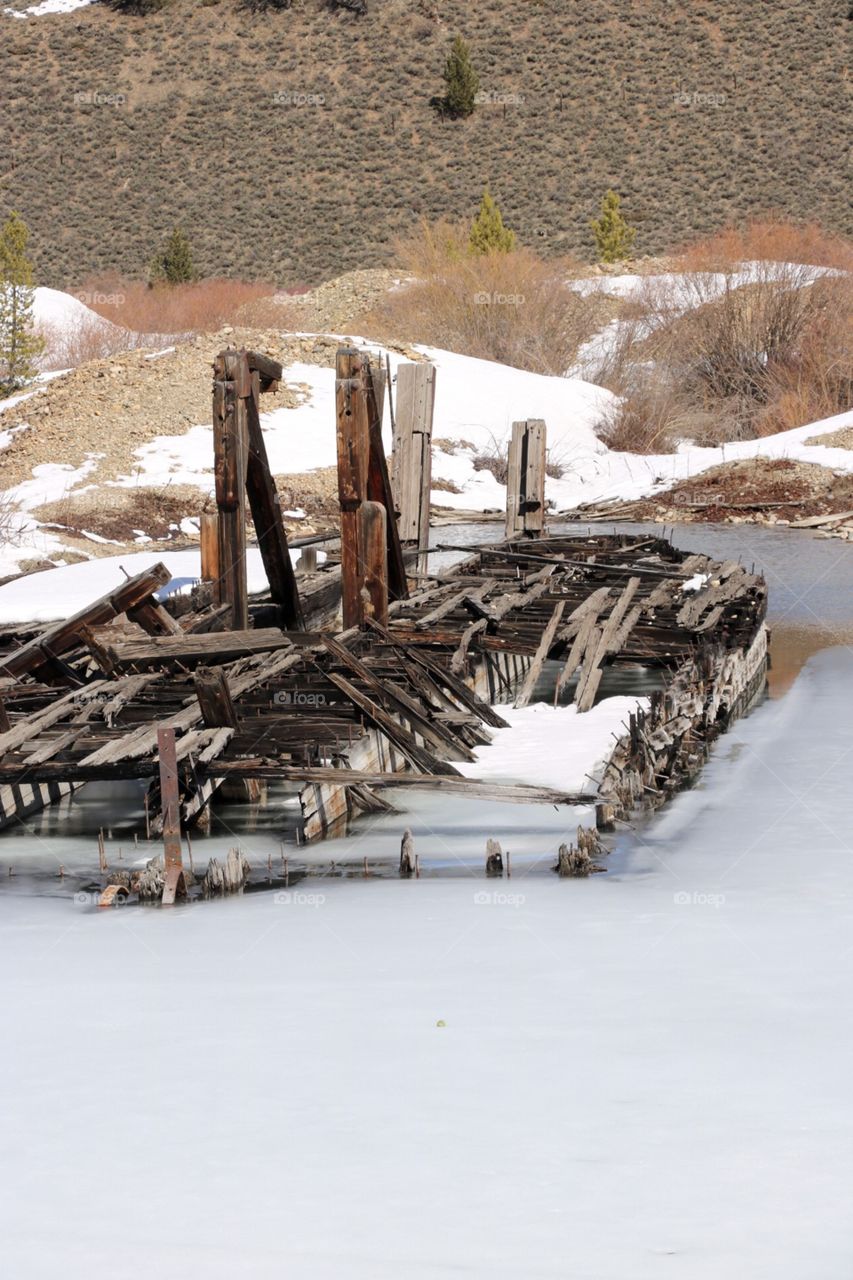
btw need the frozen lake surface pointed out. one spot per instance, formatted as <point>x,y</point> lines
<point>644,1074</point>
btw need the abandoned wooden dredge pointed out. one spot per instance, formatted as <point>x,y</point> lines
<point>369,671</point>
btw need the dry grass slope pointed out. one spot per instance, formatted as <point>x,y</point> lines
<point>294,145</point>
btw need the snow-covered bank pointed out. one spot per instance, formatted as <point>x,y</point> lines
<point>477,402</point>
<point>552,746</point>
<point>640,1074</point>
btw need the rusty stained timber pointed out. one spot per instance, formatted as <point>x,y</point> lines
<point>242,472</point>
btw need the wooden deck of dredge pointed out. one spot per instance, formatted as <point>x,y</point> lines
<point>195,691</point>
<point>343,716</point>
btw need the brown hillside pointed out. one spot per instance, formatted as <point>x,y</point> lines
<point>697,111</point>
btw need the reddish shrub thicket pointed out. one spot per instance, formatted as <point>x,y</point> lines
<point>201,307</point>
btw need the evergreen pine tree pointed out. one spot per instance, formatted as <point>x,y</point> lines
<point>614,239</point>
<point>174,264</point>
<point>19,344</point>
<point>488,233</point>
<point>462,81</point>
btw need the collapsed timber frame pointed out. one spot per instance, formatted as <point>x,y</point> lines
<point>190,692</point>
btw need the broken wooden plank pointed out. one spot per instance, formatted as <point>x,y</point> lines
<point>189,647</point>
<point>402,738</point>
<point>214,698</point>
<point>541,654</point>
<point>59,637</point>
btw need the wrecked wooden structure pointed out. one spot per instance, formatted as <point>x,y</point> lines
<point>191,692</point>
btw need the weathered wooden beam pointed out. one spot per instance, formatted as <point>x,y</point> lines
<point>174,883</point>
<point>541,654</point>
<point>214,698</point>
<point>209,545</point>
<point>62,636</point>
<point>412,453</point>
<point>353,449</point>
<point>269,370</point>
<point>188,647</point>
<point>379,482</point>
<point>373,552</point>
<point>402,738</point>
<point>266,513</point>
<point>525,494</point>
<point>231,388</point>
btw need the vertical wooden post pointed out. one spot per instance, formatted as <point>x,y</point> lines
<point>379,487</point>
<point>230,444</point>
<point>307,562</point>
<point>353,442</point>
<point>374,556</point>
<point>413,453</point>
<point>525,492</point>
<point>266,514</point>
<point>209,538</point>
<point>174,883</point>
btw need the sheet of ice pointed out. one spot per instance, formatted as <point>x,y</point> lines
<point>60,593</point>
<point>552,746</point>
<point>637,1075</point>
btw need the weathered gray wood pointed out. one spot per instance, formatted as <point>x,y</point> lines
<point>174,884</point>
<point>353,448</point>
<point>402,738</point>
<point>379,482</point>
<point>216,646</point>
<point>214,698</point>
<point>373,553</point>
<point>62,636</point>
<point>590,677</point>
<point>412,454</point>
<point>541,654</point>
<point>526,479</point>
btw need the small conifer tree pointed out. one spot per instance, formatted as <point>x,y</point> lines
<point>461,81</point>
<point>20,345</point>
<point>174,264</point>
<point>614,239</point>
<point>488,233</point>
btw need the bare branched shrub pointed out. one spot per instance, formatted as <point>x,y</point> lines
<point>768,240</point>
<point>511,307</point>
<point>493,457</point>
<point>650,418</point>
<point>735,344</point>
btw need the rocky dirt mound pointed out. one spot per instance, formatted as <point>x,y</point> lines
<point>755,490</point>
